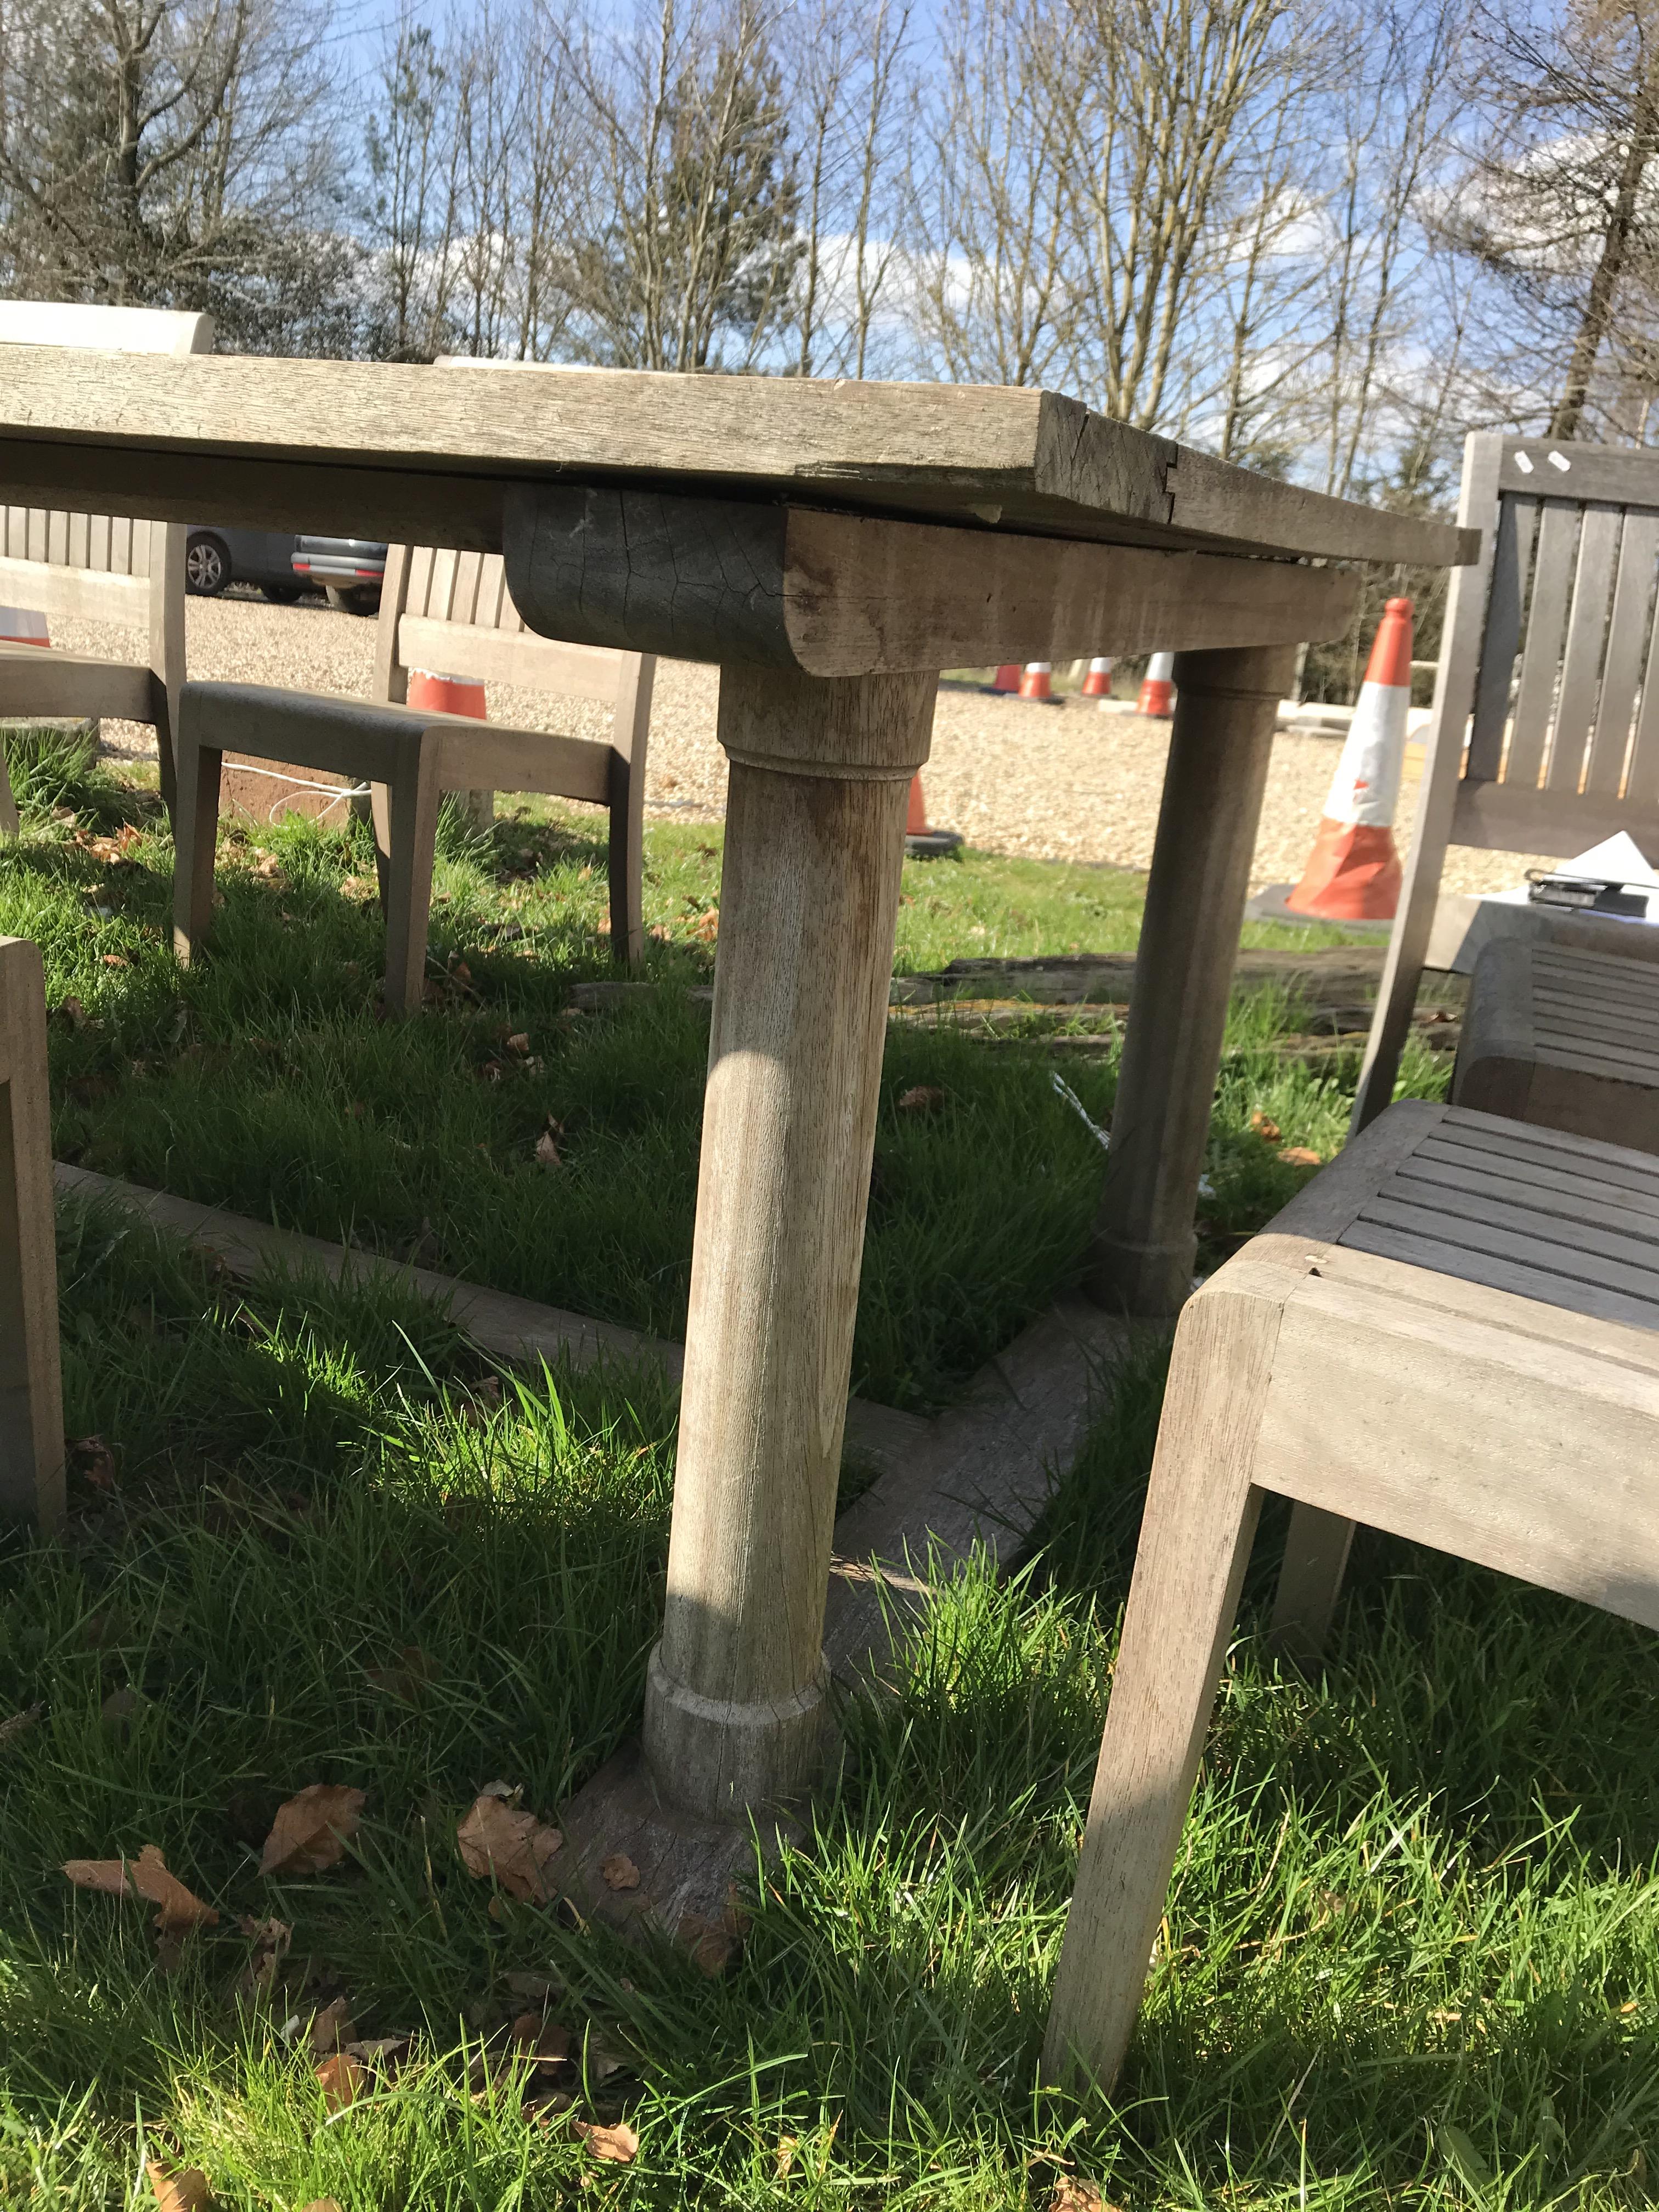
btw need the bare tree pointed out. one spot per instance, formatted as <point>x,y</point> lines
<point>163,153</point>
<point>1557,205</point>
<point>993,221</point>
<point>688,255</point>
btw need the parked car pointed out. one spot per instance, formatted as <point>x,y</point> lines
<point>350,569</point>
<point>215,556</point>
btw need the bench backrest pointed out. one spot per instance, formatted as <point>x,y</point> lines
<point>452,614</point>
<point>1545,732</point>
<point>99,567</point>
<point>1560,699</point>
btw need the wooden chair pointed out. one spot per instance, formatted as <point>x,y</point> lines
<point>93,566</point>
<point>1564,1037</point>
<point>1544,738</point>
<point>31,1388</point>
<point>450,613</point>
<point>1545,732</point>
<point>1453,1333</point>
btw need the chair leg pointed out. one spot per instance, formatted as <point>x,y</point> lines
<point>10,822</point>
<point>195,841</point>
<point>31,1387</point>
<point>1309,1583</point>
<point>379,816</point>
<point>411,839</point>
<point>1201,1512</point>
<point>627,860</point>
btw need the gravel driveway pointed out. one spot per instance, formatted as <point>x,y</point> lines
<point>1066,783</point>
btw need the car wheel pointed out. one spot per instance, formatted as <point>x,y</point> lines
<point>282,595</point>
<point>207,566</point>
<point>355,598</point>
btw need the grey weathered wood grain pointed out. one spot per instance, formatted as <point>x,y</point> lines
<point>848,595</point>
<point>1144,1246</point>
<point>1335,1361</point>
<point>1627,643</point>
<point>1517,528</point>
<point>31,1388</point>
<point>1039,458</point>
<point>1587,634</point>
<point>1540,654</point>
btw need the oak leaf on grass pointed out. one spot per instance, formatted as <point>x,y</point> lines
<point>312,1830</point>
<point>178,2188</point>
<point>617,2146</point>
<point>146,1877</point>
<point>514,1847</point>
<point>340,2078</point>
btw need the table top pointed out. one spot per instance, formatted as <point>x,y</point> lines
<point>235,438</point>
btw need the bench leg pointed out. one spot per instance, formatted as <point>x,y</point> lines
<point>31,1387</point>
<point>405,838</point>
<point>196,837</point>
<point>1309,1583</point>
<point>10,823</point>
<point>1201,1511</point>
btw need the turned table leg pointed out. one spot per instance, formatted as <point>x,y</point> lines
<point>1145,1245</point>
<point>31,1390</point>
<point>736,1711</point>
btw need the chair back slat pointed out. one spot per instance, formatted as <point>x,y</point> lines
<point>457,617</point>
<point>1587,637</point>
<point>1628,637</point>
<point>1517,531</point>
<point>1540,654</point>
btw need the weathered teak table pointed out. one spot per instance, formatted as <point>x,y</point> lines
<point>831,546</point>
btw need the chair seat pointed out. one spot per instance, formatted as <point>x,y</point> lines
<point>343,736</point>
<point>39,680</point>
<point>1565,1037</point>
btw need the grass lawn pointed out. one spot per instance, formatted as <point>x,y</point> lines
<point>1412,1953</point>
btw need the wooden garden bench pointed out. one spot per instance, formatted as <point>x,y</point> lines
<point>1452,1332</point>
<point>450,613</point>
<point>1545,732</point>
<point>1565,1037</point>
<point>96,567</point>
<point>31,1388</point>
<point>1544,738</point>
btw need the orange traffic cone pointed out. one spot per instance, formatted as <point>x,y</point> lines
<point>1035,685</point>
<point>921,842</point>
<point>446,695</point>
<point>1097,684</point>
<point>1353,870</point>
<point>1007,676</point>
<point>23,626</point>
<point>1158,685</point>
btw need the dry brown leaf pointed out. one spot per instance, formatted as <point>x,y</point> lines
<point>707,926</point>
<point>322,2204</point>
<point>617,2146</point>
<point>514,1847</point>
<point>1300,1156</point>
<point>519,1043</point>
<point>333,2028</point>
<point>19,1724</point>
<point>311,1831</point>
<point>1073,2194</point>
<point>373,2049</point>
<point>547,1150</point>
<point>921,1098</point>
<point>115,960</point>
<point>180,1907</point>
<point>341,2080</point>
<point>535,1988</point>
<point>94,1461</point>
<point>788,2146</point>
<point>178,2188</point>
<point>1265,1127</point>
<point>619,1871</point>
<point>710,1945</point>
<point>109,1876</point>
<point>147,1877</point>
<point>73,1010</point>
